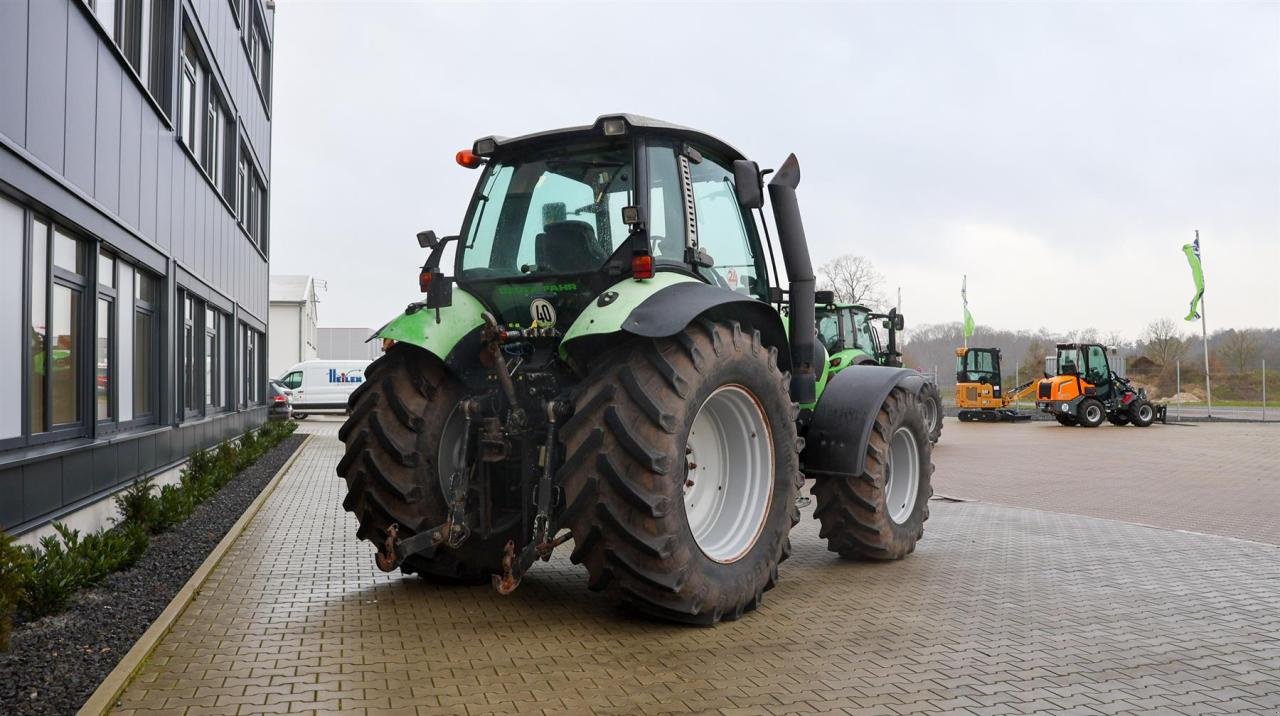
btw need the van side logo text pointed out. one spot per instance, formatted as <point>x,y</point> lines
<point>352,377</point>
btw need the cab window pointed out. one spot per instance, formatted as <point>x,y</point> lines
<point>292,381</point>
<point>724,231</point>
<point>666,206</point>
<point>829,331</point>
<point>866,337</point>
<point>1097,372</point>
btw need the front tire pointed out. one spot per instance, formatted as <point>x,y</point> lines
<point>708,407</point>
<point>1090,413</point>
<point>397,452</point>
<point>1142,413</point>
<point>881,513</point>
<point>1066,421</point>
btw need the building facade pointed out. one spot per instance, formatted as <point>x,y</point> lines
<point>294,312</point>
<point>135,147</point>
<point>348,344</point>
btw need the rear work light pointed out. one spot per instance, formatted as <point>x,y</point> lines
<point>467,158</point>
<point>642,266</point>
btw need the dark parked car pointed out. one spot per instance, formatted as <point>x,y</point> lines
<point>280,406</point>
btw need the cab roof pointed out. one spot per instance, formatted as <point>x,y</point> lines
<point>495,144</point>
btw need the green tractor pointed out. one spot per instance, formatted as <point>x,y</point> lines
<point>848,335</point>
<point>609,364</point>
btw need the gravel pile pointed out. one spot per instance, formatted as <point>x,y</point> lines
<point>55,663</point>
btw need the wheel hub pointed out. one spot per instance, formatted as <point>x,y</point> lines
<point>729,481</point>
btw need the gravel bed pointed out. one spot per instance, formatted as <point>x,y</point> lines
<point>55,663</point>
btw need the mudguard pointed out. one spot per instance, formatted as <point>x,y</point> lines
<point>837,434</point>
<point>663,305</point>
<point>437,331</point>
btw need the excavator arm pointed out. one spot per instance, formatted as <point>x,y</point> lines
<point>1022,392</point>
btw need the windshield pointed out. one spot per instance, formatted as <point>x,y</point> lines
<point>554,212</point>
<point>866,338</point>
<point>1070,362</point>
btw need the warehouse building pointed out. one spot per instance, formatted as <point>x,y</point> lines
<point>294,311</point>
<point>347,344</point>
<point>135,145</point>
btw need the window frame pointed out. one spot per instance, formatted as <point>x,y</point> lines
<point>110,295</point>
<point>79,286</point>
<point>693,239</point>
<point>148,414</point>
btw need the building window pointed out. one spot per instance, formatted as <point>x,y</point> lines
<point>188,97</point>
<point>142,29</point>
<point>57,293</point>
<point>104,344</point>
<point>13,335</point>
<point>259,50</point>
<point>251,201</point>
<point>252,360</point>
<point>190,379</point>
<point>145,345</point>
<point>213,363</point>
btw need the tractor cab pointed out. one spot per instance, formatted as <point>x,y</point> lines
<point>851,337</point>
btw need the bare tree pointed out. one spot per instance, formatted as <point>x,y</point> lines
<point>853,279</point>
<point>1239,349</point>
<point>1163,342</point>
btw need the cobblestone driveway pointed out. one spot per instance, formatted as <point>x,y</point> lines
<point>1216,478</point>
<point>1001,610</point>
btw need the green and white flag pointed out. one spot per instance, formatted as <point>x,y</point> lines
<point>1192,251</point>
<point>968,317</point>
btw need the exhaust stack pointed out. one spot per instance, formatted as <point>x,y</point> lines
<point>795,255</point>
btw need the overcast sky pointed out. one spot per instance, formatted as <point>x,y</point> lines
<point>1058,153</point>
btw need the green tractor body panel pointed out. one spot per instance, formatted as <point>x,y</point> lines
<point>437,330</point>
<point>611,308</point>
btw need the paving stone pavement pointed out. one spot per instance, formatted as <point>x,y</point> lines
<point>1000,611</point>
<point>1215,478</point>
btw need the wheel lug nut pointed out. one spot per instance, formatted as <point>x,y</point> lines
<point>688,483</point>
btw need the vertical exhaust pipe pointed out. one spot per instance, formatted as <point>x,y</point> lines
<point>795,255</point>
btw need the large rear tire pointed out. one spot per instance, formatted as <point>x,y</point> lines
<point>931,405</point>
<point>681,473</point>
<point>881,513</point>
<point>398,445</point>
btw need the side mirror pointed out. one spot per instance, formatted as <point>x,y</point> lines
<point>896,321</point>
<point>748,184</point>
<point>823,298</point>
<point>428,239</point>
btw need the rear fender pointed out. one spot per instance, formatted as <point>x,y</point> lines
<point>840,428</point>
<point>663,306</point>
<point>438,331</point>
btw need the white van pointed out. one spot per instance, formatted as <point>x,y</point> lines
<point>323,386</point>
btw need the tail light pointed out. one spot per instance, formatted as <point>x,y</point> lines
<point>424,280</point>
<point>280,399</point>
<point>835,362</point>
<point>642,266</point>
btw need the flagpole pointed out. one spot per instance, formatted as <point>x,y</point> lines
<point>1204,337</point>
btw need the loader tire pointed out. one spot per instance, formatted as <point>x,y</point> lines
<point>1142,413</point>
<point>1065,420</point>
<point>392,462</point>
<point>881,513</point>
<point>931,404</point>
<point>1090,413</point>
<point>656,426</point>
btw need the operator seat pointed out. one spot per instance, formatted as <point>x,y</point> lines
<point>568,247</point>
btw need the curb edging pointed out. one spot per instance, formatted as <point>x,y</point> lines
<point>103,698</point>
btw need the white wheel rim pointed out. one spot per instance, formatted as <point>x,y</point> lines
<point>730,465</point>
<point>1144,413</point>
<point>1093,414</point>
<point>449,452</point>
<point>902,484</point>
